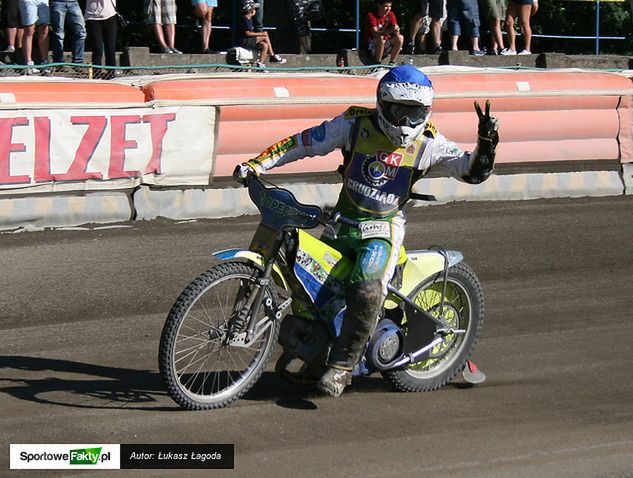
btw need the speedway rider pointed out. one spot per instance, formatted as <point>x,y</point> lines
<point>386,150</point>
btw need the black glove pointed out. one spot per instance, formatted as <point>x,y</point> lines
<point>488,125</point>
<point>243,173</point>
<point>488,137</point>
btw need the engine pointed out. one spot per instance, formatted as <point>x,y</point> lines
<point>305,339</point>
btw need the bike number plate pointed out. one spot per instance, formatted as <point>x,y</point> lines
<point>375,229</point>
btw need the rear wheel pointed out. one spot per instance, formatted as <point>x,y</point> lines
<point>463,309</point>
<point>201,358</point>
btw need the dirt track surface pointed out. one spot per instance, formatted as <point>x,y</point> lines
<point>82,312</point>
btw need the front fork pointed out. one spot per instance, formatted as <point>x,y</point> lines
<point>250,310</point>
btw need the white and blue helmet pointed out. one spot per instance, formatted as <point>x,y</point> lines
<point>405,96</point>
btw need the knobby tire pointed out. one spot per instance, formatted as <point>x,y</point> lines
<point>193,337</point>
<point>465,307</point>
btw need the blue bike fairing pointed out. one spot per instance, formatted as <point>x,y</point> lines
<point>279,208</point>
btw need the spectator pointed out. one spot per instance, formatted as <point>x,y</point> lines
<point>523,10</point>
<point>35,16</point>
<point>495,11</point>
<point>429,17</point>
<point>161,15</point>
<point>419,27</point>
<point>101,24</point>
<point>258,19</point>
<point>301,13</point>
<point>60,11</point>
<point>466,12</point>
<point>383,35</point>
<point>253,40</point>
<point>13,25</point>
<point>203,9</point>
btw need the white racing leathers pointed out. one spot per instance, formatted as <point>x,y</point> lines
<point>377,181</point>
<point>378,176</point>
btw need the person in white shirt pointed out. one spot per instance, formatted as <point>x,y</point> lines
<point>101,24</point>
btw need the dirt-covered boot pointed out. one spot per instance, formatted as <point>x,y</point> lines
<point>364,301</point>
<point>334,381</point>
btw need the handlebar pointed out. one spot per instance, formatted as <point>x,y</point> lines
<point>423,197</point>
<point>338,218</point>
<point>328,218</point>
<point>325,218</point>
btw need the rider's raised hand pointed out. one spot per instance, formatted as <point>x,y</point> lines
<point>488,125</point>
<point>243,172</point>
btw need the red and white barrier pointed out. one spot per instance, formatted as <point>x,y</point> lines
<point>545,115</point>
<point>60,136</point>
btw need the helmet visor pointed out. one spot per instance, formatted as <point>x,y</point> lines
<point>400,114</point>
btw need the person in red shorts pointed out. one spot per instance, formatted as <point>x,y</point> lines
<point>382,33</point>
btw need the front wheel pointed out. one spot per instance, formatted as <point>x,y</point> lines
<point>203,359</point>
<point>463,309</point>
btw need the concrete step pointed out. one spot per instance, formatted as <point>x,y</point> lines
<point>141,56</point>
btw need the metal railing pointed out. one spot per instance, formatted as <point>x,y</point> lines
<point>597,37</point>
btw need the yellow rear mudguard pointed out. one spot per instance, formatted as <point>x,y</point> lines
<point>421,266</point>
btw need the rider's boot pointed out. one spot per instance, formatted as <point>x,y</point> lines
<point>334,381</point>
<point>364,301</point>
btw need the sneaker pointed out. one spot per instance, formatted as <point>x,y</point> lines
<point>409,48</point>
<point>436,50</point>
<point>525,52</point>
<point>9,49</point>
<point>334,381</point>
<point>259,64</point>
<point>31,70</point>
<point>167,50</point>
<point>507,51</point>
<point>477,53</point>
<point>48,70</point>
<point>174,50</point>
<point>277,59</point>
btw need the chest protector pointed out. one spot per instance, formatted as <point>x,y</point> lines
<point>378,175</point>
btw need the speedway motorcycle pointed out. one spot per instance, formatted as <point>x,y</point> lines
<point>289,288</point>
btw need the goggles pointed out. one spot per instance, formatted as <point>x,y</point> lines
<point>400,114</point>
